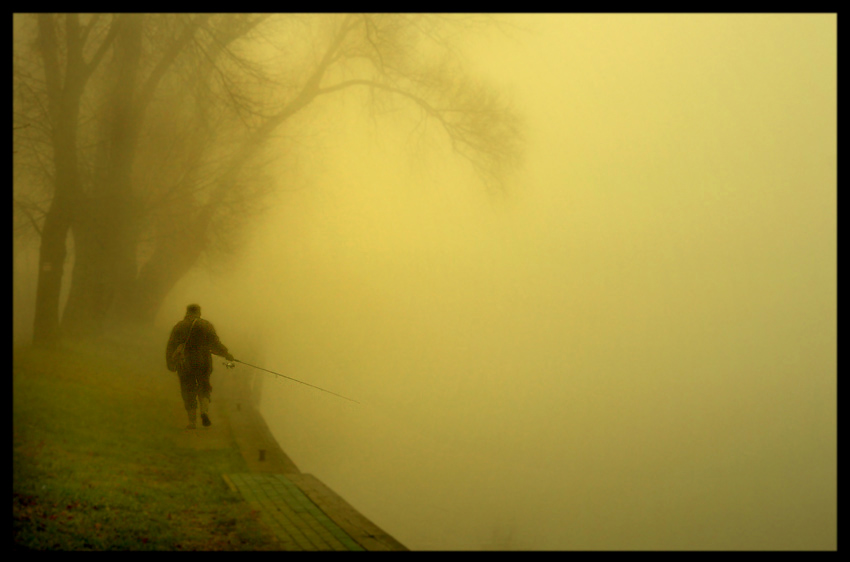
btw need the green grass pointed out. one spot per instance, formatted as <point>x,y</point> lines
<point>98,462</point>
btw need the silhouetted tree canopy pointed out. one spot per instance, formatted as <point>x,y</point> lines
<point>145,136</point>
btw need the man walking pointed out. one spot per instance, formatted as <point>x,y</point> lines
<point>194,340</point>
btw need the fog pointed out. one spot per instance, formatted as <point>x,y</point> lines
<point>632,347</point>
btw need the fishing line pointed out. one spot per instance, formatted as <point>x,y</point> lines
<point>230,366</point>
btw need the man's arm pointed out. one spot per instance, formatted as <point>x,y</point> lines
<point>215,344</point>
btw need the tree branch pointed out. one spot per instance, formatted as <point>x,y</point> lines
<point>149,87</point>
<point>48,46</point>
<point>311,86</point>
<point>423,104</point>
<point>104,46</point>
<point>25,209</point>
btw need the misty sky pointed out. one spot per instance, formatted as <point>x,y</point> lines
<point>633,347</point>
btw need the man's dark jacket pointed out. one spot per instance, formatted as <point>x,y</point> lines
<point>202,342</point>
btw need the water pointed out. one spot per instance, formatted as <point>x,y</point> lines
<point>635,348</point>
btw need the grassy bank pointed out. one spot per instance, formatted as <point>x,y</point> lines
<point>100,460</point>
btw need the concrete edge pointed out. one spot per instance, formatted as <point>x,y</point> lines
<point>362,530</point>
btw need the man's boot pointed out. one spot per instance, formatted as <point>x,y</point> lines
<point>205,408</point>
<point>191,419</point>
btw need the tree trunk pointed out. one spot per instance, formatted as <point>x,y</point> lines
<point>169,263</point>
<point>104,260</point>
<point>51,265</point>
<point>64,94</point>
<point>104,232</point>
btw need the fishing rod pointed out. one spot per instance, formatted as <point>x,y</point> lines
<point>230,366</point>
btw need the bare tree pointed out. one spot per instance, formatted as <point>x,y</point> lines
<point>391,57</point>
<point>178,127</point>
<point>106,228</point>
<point>66,73</point>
